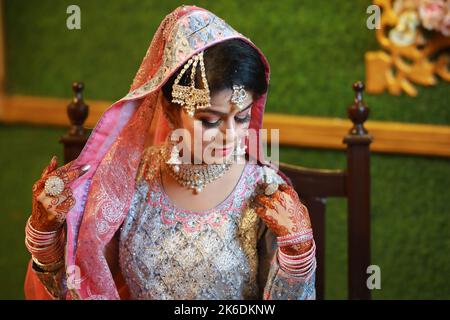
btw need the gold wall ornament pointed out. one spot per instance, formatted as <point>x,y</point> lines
<point>411,53</point>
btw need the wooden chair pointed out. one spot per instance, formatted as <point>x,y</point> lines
<point>314,186</point>
<point>353,183</point>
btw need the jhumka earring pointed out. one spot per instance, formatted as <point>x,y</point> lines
<point>190,97</point>
<point>174,160</point>
<point>240,149</point>
<point>238,96</point>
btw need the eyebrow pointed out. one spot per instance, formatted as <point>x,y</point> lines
<point>221,113</point>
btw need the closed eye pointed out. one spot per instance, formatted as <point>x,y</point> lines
<point>211,123</point>
<point>243,119</point>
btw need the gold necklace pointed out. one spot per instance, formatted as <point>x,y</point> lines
<point>194,176</point>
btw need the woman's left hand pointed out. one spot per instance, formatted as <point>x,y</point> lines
<point>284,214</point>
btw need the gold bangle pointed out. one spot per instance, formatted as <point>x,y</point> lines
<point>50,267</point>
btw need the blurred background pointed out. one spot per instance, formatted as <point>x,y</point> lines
<point>316,50</point>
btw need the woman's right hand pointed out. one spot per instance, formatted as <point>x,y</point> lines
<point>49,212</point>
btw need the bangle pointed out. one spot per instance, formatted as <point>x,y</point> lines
<point>46,247</point>
<point>39,233</point>
<point>49,267</point>
<point>50,253</point>
<point>301,273</point>
<point>295,238</point>
<point>298,265</point>
<point>300,256</point>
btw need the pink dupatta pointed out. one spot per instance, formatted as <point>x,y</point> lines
<point>103,195</point>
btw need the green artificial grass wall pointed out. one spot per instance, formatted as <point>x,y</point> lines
<point>316,50</point>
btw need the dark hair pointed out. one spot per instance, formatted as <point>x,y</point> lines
<point>228,63</point>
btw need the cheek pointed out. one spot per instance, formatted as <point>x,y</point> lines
<point>187,124</point>
<point>242,129</point>
<point>195,130</point>
<point>244,126</point>
<point>211,134</point>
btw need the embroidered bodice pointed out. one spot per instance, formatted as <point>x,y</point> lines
<point>171,253</point>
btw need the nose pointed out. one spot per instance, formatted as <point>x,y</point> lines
<point>230,130</point>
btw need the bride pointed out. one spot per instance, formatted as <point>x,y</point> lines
<point>171,197</point>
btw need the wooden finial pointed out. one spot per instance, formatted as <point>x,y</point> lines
<point>77,110</point>
<point>358,112</point>
<point>75,139</point>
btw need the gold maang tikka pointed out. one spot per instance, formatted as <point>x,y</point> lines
<point>190,97</point>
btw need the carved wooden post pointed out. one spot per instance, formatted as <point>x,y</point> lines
<point>358,187</point>
<point>77,136</point>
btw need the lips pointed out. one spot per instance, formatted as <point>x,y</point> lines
<point>223,151</point>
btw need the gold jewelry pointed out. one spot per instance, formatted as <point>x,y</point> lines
<point>238,96</point>
<point>189,97</point>
<point>174,159</point>
<point>49,267</point>
<point>194,176</point>
<point>240,151</point>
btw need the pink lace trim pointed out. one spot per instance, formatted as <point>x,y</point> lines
<point>194,220</point>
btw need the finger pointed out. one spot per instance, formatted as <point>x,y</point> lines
<point>284,187</point>
<point>41,196</point>
<point>291,191</point>
<point>52,166</point>
<point>68,174</point>
<point>263,184</point>
<point>64,169</point>
<point>50,203</point>
<point>272,223</point>
<point>261,212</point>
<point>269,189</point>
<point>65,206</point>
<point>257,205</point>
<point>258,200</point>
<point>56,216</point>
<point>38,186</point>
<point>264,201</point>
<point>73,174</point>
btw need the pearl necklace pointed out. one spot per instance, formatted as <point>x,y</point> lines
<point>194,176</point>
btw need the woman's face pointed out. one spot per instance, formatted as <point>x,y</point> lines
<point>218,129</point>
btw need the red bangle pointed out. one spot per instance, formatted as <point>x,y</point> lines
<point>45,246</point>
<point>299,257</point>
<point>299,264</point>
<point>301,272</point>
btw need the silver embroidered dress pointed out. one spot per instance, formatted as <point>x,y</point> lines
<point>167,252</point>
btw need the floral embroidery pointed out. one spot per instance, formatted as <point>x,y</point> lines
<point>192,32</point>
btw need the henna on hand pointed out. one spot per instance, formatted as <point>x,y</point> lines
<point>284,214</point>
<point>49,212</point>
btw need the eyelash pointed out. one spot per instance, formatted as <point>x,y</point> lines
<point>208,124</point>
<point>244,119</point>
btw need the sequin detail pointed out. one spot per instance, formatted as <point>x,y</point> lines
<point>169,253</point>
<point>198,29</point>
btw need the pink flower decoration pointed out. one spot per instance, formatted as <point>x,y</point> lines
<point>432,13</point>
<point>445,25</point>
